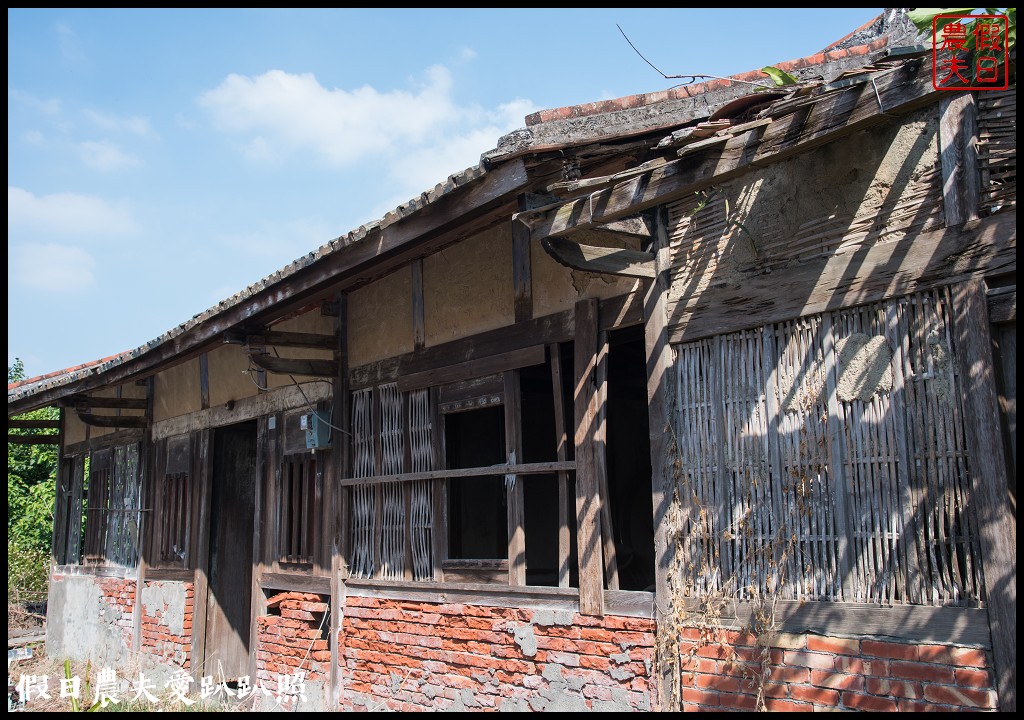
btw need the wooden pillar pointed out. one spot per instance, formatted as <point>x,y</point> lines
<point>337,528</point>
<point>661,390</point>
<point>588,498</point>
<point>515,495</point>
<point>561,446</point>
<point>522,272</point>
<point>989,482</point>
<point>958,156</point>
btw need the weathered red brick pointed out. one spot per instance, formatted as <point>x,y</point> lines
<point>868,702</point>
<point>922,671</point>
<point>960,696</point>
<point>720,683</point>
<point>894,688</point>
<point>700,697</point>
<point>778,705</point>
<point>816,695</point>
<point>969,656</point>
<point>893,651</point>
<point>840,646</point>
<point>972,678</point>
<point>935,654</point>
<point>836,681</point>
<point>736,700</point>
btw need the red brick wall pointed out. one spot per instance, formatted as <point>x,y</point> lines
<point>120,593</point>
<point>159,636</point>
<point>811,672</point>
<point>294,635</point>
<point>425,656</point>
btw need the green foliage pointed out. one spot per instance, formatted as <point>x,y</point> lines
<point>31,488</point>
<point>779,77</point>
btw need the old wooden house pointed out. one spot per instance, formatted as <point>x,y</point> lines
<point>701,399</point>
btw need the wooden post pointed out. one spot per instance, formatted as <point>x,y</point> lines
<point>611,565</point>
<point>958,155</point>
<point>989,482</point>
<point>661,390</point>
<point>148,481</point>
<point>257,603</point>
<point>588,498</point>
<point>514,485</point>
<point>204,381</point>
<point>337,528</point>
<point>419,333</point>
<point>203,465</point>
<point>522,273</point>
<point>561,445</point>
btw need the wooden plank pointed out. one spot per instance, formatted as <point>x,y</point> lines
<point>541,468</point>
<point>259,534</point>
<point>459,214</point>
<point>17,424</point>
<point>275,338</point>
<point>296,582</point>
<point>296,366</point>
<point>990,496</point>
<point>170,575</point>
<point>611,565</point>
<point>114,421</point>
<point>522,273</point>
<point>513,360</point>
<point>440,499</point>
<point>917,262</point>
<point>629,603</point>
<point>337,529</point>
<point>33,439</point>
<point>514,494</point>
<point>561,452</point>
<point>588,499</point>
<point>958,138</point>
<point>605,261</point>
<point>204,381</point>
<point>419,331</point>
<point>661,393</point>
<point>485,594</point>
<point>476,392</point>
<point>949,625</point>
<point>1007,350</point>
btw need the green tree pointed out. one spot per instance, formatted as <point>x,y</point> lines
<point>31,490</point>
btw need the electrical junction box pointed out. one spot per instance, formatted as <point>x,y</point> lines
<point>318,432</point>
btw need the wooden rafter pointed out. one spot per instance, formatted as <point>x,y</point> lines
<point>606,261</point>
<point>113,421</point>
<point>296,366</point>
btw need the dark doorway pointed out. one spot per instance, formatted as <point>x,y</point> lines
<point>629,459</point>
<point>476,505</point>
<point>228,610</point>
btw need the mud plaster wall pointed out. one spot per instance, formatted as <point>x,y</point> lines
<point>557,288</point>
<point>312,321</point>
<point>90,618</point>
<point>809,673</point>
<point>227,367</point>
<point>467,287</point>
<point>407,656</point>
<point>74,429</point>
<point>176,391</point>
<point>876,186</point>
<point>380,319</point>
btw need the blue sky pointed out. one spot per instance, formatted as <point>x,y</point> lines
<point>158,161</point>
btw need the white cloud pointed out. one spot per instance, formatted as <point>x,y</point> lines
<point>49,106</point>
<point>69,215</point>
<point>106,156</point>
<point>32,137</point>
<point>52,267</point>
<point>467,54</point>
<point>134,124</point>
<point>278,114</point>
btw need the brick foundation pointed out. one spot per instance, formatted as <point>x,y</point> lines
<point>811,672</point>
<point>120,594</point>
<point>166,632</point>
<point>294,635</point>
<point>406,656</point>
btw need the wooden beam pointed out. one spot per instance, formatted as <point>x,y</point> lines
<point>204,381</point>
<point>16,424</point>
<point>296,366</point>
<point>541,468</point>
<point>337,529</point>
<point>990,495</point>
<point>275,338</point>
<point>836,115</point>
<point>113,421</point>
<point>33,439</point>
<point>611,563</point>
<point>524,357</point>
<point>588,498</point>
<point>601,260</point>
<point>463,212</point>
<point>84,402</point>
<point>1002,305</point>
<point>514,493</point>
